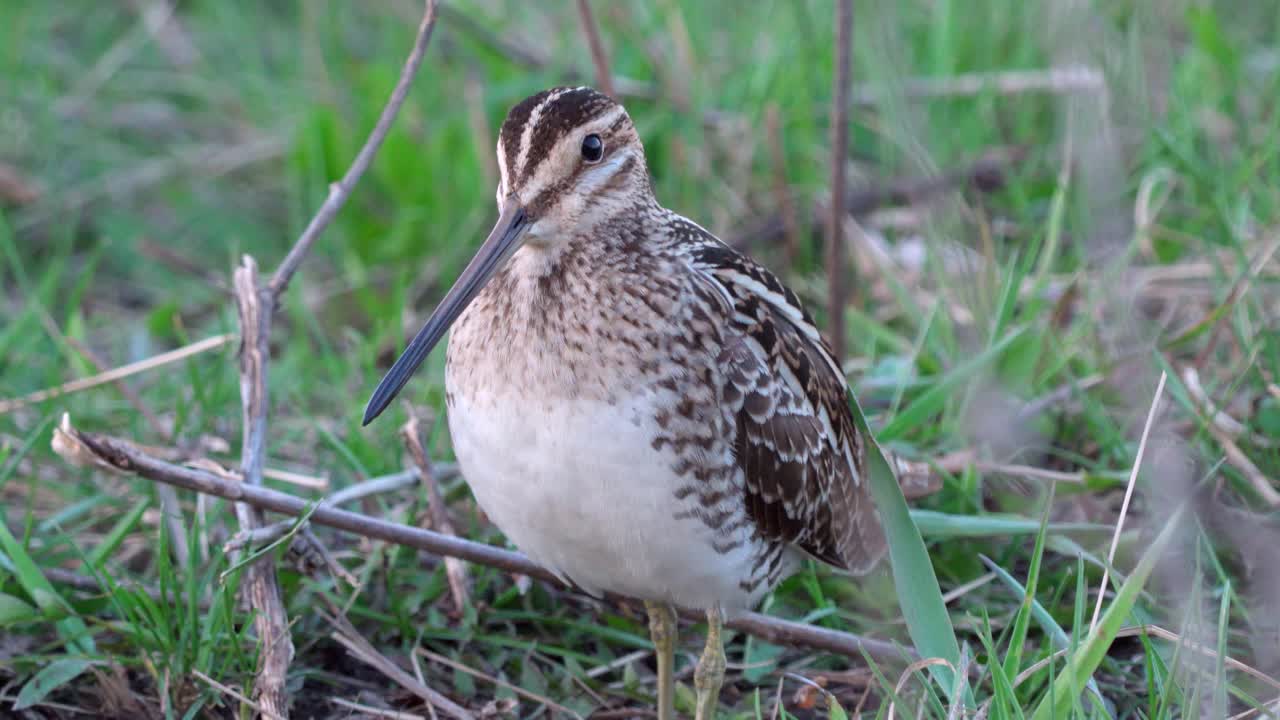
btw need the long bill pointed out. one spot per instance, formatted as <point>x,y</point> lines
<point>497,248</point>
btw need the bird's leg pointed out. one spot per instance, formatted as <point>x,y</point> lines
<point>709,675</point>
<point>662,630</point>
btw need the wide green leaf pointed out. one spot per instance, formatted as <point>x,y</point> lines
<point>919,596</point>
<point>49,678</point>
<point>14,611</point>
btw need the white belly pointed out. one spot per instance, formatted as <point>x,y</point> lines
<point>577,486</point>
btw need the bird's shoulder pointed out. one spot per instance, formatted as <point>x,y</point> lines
<point>802,457</point>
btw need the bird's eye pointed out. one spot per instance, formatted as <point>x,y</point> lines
<point>592,148</point>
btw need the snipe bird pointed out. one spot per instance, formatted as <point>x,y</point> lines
<point>640,408</point>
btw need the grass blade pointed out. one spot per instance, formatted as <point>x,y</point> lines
<point>1086,658</point>
<point>116,535</point>
<point>935,524</point>
<point>934,399</point>
<point>70,627</point>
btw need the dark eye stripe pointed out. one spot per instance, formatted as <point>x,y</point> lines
<point>564,115</point>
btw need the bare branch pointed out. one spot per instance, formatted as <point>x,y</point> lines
<point>837,252</point>
<point>91,448</point>
<point>604,79</point>
<point>339,191</point>
<point>260,587</point>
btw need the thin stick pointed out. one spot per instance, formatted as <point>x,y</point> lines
<point>781,189</point>
<point>260,588</point>
<point>376,712</point>
<point>837,253</point>
<point>598,57</point>
<point>1234,455</point>
<point>454,569</point>
<point>170,509</point>
<point>207,160</point>
<point>1128,495</point>
<point>293,478</point>
<point>375,486</point>
<point>364,651</point>
<point>158,18</point>
<point>1067,79</point>
<point>339,191</point>
<point>93,449</point>
<point>256,307</point>
<point>235,694</point>
<point>115,374</point>
<point>541,699</point>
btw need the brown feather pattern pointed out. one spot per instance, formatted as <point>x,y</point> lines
<point>796,443</point>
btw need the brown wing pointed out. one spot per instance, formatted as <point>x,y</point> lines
<point>796,443</point>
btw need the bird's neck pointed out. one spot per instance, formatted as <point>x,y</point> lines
<point>585,257</point>
<point>536,317</point>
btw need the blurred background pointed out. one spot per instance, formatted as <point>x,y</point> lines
<point>1055,201</point>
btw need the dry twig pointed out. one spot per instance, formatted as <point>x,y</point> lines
<point>364,651</point>
<point>375,486</point>
<point>169,506</point>
<point>256,307</point>
<point>454,568</point>
<point>91,448</point>
<point>1128,495</point>
<point>986,174</point>
<point>1060,80</point>
<point>115,374</point>
<point>598,56</point>
<point>373,711</point>
<point>209,160</point>
<point>260,587</point>
<point>540,699</point>
<point>781,189</point>
<point>339,191</point>
<point>837,251</point>
<point>165,29</point>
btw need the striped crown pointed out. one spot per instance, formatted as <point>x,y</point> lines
<point>540,145</point>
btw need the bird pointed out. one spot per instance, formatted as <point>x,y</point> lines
<point>639,407</point>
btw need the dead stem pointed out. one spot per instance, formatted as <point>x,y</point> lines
<point>104,451</point>
<point>837,252</point>
<point>454,569</point>
<point>604,79</point>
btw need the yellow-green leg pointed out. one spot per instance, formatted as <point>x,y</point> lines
<point>662,630</point>
<point>709,676</point>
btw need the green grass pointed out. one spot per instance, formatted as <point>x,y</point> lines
<point>130,246</point>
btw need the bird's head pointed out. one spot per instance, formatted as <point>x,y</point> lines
<point>569,158</point>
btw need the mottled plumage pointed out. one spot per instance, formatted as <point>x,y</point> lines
<point>639,407</point>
